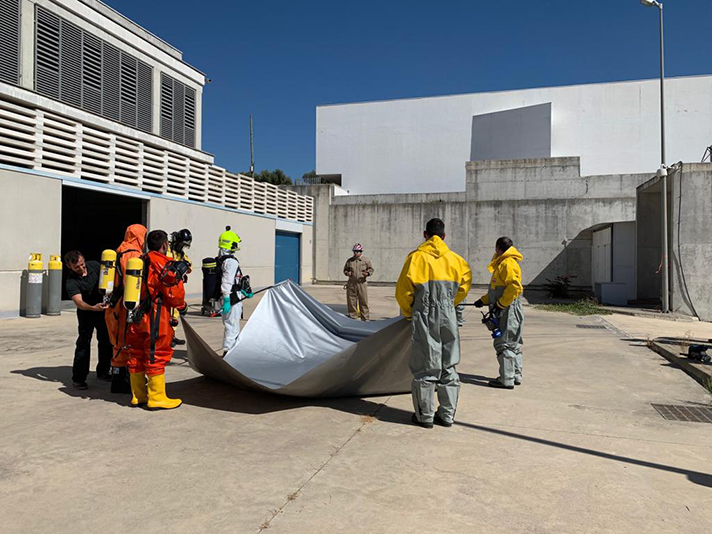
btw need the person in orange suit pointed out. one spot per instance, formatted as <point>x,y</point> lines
<point>115,315</point>
<point>150,338</point>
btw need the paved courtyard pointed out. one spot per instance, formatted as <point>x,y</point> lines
<point>577,448</point>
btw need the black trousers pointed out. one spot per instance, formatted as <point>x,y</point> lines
<point>88,321</point>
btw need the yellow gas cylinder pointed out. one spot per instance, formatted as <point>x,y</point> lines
<point>107,272</point>
<point>35,273</point>
<point>132,283</point>
<point>54,292</point>
<point>35,263</point>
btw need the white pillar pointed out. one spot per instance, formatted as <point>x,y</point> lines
<point>199,118</point>
<point>156,111</point>
<point>27,44</point>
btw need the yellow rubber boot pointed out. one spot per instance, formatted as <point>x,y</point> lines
<point>157,399</point>
<point>139,393</point>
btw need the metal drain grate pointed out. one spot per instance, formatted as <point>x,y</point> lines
<point>690,414</point>
<point>591,326</point>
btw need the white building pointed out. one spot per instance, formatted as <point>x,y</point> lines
<point>421,145</point>
<point>100,128</point>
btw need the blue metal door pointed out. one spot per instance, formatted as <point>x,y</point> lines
<point>286,257</point>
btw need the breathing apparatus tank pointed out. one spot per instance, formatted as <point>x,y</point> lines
<point>54,292</point>
<point>107,273</point>
<point>210,305</point>
<point>132,285</point>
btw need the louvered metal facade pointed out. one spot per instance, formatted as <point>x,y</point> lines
<point>10,41</point>
<point>177,111</point>
<point>78,68</point>
<point>33,138</point>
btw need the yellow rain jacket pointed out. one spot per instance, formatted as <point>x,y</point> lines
<point>430,273</point>
<point>506,283</point>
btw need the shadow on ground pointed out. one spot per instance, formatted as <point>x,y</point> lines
<point>206,393</point>
<point>62,376</point>
<point>475,380</point>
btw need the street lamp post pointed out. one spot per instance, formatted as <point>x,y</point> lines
<point>662,172</point>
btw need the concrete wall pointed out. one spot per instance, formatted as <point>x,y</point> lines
<point>691,240</point>
<point>544,205</point>
<point>648,237</point>
<point>31,221</point>
<point>418,145</point>
<point>206,224</point>
<point>318,241</point>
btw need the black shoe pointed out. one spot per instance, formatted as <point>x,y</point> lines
<point>177,341</point>
<point>498,384</point>
<point>441,422</point>
<point>421,423</point>
<point>80,385</point>
<point>517,383</point>
<point>120,381</point>
<point>104,377</point>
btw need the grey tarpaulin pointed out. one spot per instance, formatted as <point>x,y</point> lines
<point>294,345</point>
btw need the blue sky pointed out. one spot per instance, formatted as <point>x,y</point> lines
<point>278,60</point>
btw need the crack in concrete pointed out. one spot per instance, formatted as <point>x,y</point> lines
<point>293,496</point>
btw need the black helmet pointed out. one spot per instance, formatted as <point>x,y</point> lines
<point>182,238</point>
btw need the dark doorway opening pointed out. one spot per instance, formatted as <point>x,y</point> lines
<point>93,221</point>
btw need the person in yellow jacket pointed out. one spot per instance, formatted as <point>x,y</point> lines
<point>433,281</point>
<point>179,242</point>
<point>504,302</point>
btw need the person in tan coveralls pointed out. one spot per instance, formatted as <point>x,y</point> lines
<point>358,268</point>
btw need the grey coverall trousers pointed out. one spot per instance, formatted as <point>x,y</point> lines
<point>436,351</point>
<point>509,346</point>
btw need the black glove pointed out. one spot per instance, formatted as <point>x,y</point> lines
<point>182,267</point>
<point>174,272</point>
<point>479,303</point>
<point>184,310</point>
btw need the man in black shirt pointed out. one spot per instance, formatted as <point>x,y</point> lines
<point>83,288</point>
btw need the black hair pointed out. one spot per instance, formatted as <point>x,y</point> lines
<point>503,244</point>
<point>435,227</point>
<point>72,257</point>
<point>156,239</point>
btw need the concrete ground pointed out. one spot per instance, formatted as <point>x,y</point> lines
<point>577,448</point>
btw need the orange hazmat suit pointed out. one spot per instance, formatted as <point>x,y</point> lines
<point>131,247</point>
